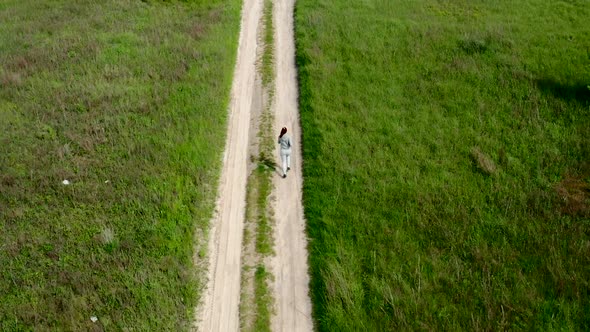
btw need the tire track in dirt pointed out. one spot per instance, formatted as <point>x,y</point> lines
<point>219,310</point>
<point>289,265</point>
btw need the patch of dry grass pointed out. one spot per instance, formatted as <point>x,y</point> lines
<point>483,162</point>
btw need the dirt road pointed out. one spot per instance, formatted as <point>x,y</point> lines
<point>219,308</point>
<point>293,306</point>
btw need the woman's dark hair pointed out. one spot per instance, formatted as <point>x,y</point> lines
<point>283,132</point>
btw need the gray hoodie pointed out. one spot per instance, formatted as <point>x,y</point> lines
<point>285,142</point>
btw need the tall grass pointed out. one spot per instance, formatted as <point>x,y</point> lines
<point>446,164</point>
<point>127,101</point>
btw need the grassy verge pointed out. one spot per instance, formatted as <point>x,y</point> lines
<point>446,163</point>
<point>266,163</point>
<point>263,299</point>
<point>267,62</point>
<point>256,301</point>
<point>127,101</point>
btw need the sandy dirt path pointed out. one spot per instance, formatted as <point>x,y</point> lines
<point>219,310</point>
<point>289,265</point>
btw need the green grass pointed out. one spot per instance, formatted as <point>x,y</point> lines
<point>263,299</point>
<point>264,241</point>
<point>446,163</point>
<point>126,100</point>
<point>266,69</point>
<point>256,300</point>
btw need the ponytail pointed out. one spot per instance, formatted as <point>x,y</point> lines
<point>283,132</point>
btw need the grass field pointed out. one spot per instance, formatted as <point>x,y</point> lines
<point>447,175</point>
<point>127,100</point>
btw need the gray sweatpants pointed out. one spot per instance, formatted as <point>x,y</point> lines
<point>286,159</point>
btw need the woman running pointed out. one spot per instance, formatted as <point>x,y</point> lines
<point>285,142</point>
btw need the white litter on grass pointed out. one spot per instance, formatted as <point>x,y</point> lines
<point>93,319</point>
<point>107,235</point>
<point>107,181</point>
<point>65,182</point>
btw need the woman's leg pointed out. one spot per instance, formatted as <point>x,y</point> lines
<point>284,162</point>
<point>288,161</point>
